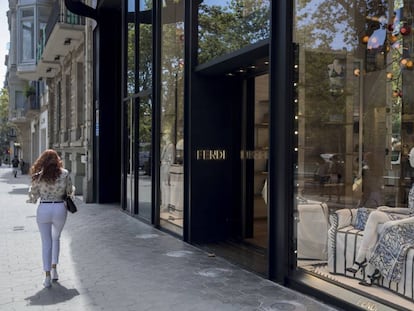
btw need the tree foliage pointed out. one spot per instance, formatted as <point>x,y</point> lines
<point>227,28</point>
<point>5,126</point>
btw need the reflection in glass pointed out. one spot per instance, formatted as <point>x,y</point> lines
<point>172,117</point>
<point>130,153</point>
<point>226,26</point>
<point>131,57</point>
<point>28,39</point>
<point>144,158</point>
<point>354,125</point>
<point>138,119</point>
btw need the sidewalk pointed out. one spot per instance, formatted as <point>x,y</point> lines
<point>112,261</point>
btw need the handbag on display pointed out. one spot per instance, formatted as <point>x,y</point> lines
<point>70,205</point>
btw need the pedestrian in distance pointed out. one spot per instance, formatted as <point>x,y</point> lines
<point>15,165</point>
<point>50,183</point>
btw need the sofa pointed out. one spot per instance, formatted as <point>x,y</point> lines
<point>344,241</point>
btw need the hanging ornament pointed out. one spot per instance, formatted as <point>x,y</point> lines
<point>390,75</point>
<point>405,30</point>
<point>397,93</point>
<point>393,38</point>
<point>365,39</point>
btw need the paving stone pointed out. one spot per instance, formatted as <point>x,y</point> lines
<point>111,261</point>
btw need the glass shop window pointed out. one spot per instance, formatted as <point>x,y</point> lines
<point>172,117</point>
<point>355,125</point>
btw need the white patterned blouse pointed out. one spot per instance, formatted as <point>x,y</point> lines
<point>56,191</point>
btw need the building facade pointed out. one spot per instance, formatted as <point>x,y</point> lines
<point>267,132</point>
<point>50,85</point>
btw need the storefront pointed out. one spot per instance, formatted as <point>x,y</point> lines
<point>264,132</point>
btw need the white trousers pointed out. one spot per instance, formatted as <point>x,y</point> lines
<point>51,218</point>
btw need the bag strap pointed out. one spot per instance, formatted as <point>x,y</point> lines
<point>67,181</point>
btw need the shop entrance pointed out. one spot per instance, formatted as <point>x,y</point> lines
<point>245,216</point>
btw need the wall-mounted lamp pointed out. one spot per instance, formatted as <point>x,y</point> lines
<point>67,41</point>
<point>57,57</point>
<point>48,70</point>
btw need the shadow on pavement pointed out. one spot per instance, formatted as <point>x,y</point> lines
<point>24,191</point>
<point>53,295</point>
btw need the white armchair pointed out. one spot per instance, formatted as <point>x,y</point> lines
<point>344,241</point>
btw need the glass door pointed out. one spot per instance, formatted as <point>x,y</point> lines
<point>172,117</point>
<point>138,109</point>
<point>143,162</point>
<point>130,152</point>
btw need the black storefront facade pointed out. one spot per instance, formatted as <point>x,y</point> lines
<point>263,132</point>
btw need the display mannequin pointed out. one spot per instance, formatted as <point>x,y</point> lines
<point>167,159</point>
<point>336,73</point>
<point>373,228</point>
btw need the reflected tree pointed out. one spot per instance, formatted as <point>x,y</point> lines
<point>227,28</point>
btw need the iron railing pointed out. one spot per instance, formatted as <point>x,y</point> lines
<point>59,15</point>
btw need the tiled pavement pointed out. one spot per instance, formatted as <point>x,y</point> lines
<point>111,261</point>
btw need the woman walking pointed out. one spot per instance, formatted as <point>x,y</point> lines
<point>51,183</point>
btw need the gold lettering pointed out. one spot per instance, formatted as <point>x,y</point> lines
<point>254,154</point>
<point>211,154</point>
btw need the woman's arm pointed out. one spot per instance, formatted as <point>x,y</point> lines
<point>34,192</point>
<point>70,188</point>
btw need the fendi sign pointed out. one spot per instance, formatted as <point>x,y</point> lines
<point>254,154</point>
<point>211,154</point>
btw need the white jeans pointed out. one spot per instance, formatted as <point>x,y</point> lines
<point>51,218</point>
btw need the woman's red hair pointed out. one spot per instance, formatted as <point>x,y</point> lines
<point>49,165</point>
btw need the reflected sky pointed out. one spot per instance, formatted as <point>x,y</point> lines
<point>216,2</point>
<point>143,5</point>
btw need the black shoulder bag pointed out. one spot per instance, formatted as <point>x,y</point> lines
<point>70,205</point>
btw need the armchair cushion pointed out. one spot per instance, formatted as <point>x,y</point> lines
<point>362,217</point>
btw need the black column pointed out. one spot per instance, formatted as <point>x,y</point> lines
<point>108,99</point>
<point>281,155</point>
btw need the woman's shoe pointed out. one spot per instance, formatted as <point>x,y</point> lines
<point>48,282</point>
<point>357,266</point>
<point>373,278</point>
<point>54,274</point>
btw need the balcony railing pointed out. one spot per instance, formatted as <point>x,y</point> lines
<point>59,15</point>
<point>31,105</point>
